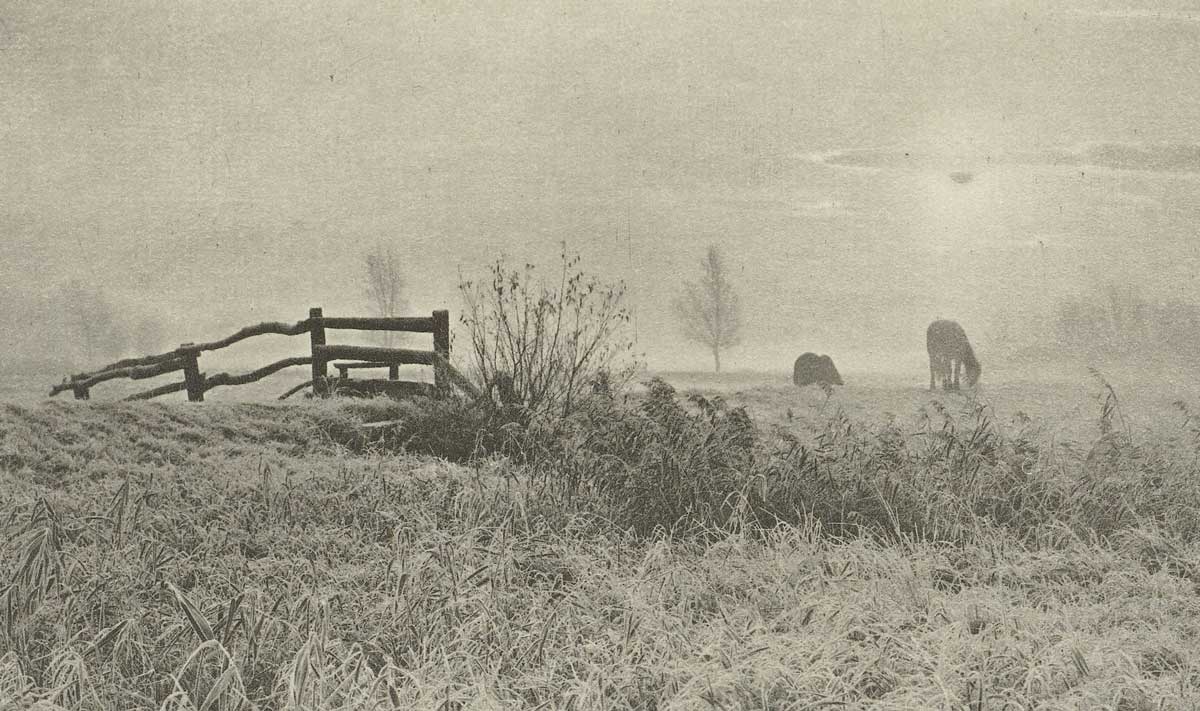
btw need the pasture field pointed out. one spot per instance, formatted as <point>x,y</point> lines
<point>882,547</point>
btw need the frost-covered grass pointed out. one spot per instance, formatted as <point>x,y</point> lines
<point>281,556</point>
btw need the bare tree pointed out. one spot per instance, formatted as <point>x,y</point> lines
<point>708,310</point>
<point>384,285</point>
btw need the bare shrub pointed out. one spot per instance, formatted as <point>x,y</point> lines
<point>543,346</point>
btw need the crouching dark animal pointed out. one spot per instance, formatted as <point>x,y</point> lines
<point>812,368</point>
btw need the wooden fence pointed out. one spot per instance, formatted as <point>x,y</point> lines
<point>186,358</point>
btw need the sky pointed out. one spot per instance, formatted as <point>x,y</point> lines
<point>217,164</point>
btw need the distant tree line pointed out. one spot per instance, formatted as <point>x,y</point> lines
<point>75,325</point>
<point>1118,320</point>
<point>99,330</point>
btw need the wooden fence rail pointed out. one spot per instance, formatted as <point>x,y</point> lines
<point>186,358</point>
<point>133,372</point>
<point>344,368</point>
<point>402,356</point>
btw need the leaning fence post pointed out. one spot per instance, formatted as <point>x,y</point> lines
<point>316,332</point>
<point>192,378</point>
<point>81,393</point>
<point>441,346</point>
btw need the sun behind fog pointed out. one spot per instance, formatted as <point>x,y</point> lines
<point>959,195</point>
<point>959,207</point>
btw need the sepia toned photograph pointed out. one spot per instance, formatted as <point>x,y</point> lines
<point>627,355</point>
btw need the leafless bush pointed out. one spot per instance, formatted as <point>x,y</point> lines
<point>544,345</point>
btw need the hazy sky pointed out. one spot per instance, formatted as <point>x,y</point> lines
<point>224,163</point>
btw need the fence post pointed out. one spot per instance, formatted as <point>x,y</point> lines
<point>81,393</point>
<point>393,372</point>
<point>441,346</point>
<point>191,375</point>
<point>343,372</point>
<point>316,332</point>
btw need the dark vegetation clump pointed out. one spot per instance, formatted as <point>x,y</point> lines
<point>698,465</point>
<point>656,462</point>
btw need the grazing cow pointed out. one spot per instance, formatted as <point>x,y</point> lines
<point>812,368</point>
<point>949,351</point>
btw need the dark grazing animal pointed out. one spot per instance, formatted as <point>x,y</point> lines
<point>812,368</point>
<point>950,351</point>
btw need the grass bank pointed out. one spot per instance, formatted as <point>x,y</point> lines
<point>647,555</point>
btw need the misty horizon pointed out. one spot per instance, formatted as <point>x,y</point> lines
<point>865,170</point>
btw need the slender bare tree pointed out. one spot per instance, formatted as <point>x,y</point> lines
<point>708,310</point>
<point>384,282</point>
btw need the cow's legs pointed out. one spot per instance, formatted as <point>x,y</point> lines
<point>939,372</point>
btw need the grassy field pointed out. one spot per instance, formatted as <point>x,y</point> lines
<point>881,547</point>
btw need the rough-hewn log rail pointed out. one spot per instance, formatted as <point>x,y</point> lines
<point>271,327</point>
<point>131,372</point>
<point>160,390</point>
<point>396,323</point>
<point>262,329</point>
<point>463,382</point>
<point>403,356</point>
<point>371,364</point>
<point>129,363</point>
<point>219,379</point>
<point>292,391</point>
